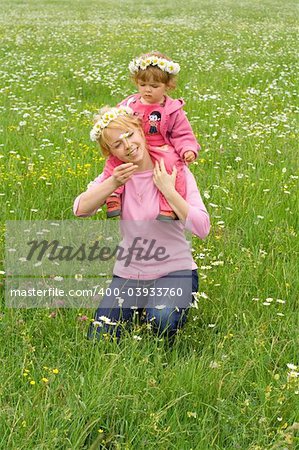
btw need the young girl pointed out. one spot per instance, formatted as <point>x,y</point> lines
<point>167,131</point>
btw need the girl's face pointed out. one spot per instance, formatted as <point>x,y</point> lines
<point>151,92</point>
<point>127,146</point>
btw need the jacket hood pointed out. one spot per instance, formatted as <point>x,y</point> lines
<point>173,105</point>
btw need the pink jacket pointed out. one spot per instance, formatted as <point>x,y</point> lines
<point>175,127</point>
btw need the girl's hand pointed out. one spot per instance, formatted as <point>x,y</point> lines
<point>189,156</point>
<point>123,173</point>
<point>164,181</point>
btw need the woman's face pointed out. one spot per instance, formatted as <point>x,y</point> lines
<point>127,146</point>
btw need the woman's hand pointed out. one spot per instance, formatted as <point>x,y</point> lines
<point>164,181</point>
<point>123,173</point>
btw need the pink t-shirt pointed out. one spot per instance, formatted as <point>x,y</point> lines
<point>151,121</point>
<point>140,207</point>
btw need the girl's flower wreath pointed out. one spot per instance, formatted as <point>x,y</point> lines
<point>163,64</point>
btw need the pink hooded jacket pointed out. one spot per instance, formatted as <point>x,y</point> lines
<point>175,127</point>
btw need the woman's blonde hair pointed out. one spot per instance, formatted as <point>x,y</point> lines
<point>154,73</point>
<point>123,123</point>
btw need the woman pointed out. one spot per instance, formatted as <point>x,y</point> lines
<point>172,270</point>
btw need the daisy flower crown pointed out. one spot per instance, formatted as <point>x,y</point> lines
<point>108,117</point>
<point>143,62</point>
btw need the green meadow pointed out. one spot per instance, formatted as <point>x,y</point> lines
<point>230,381</point>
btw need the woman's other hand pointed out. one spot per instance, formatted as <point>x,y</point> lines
<point>164,181</point>
<point>123,173</point>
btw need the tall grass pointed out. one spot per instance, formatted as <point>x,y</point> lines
<point>230,381</point>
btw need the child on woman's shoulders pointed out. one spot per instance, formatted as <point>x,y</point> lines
<point>167,130</point>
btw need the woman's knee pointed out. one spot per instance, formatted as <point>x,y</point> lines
<point>109,322</point>
<point>166,320</point>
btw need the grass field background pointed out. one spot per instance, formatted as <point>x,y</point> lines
<point>231,379</point>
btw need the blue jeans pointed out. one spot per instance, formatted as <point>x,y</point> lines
<point>163,302</point>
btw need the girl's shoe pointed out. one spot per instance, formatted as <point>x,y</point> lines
<point>167,216</point>
<point>113,206</point>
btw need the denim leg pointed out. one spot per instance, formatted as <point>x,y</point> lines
<point>109,321</point>
<point>166,321</point>
<point>172,312</point>
<point>117,308</point>
<point>194,281</point>
<point>166,313</point>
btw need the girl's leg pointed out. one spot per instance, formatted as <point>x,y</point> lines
<point>170,157</point>
<point>180,181</point>
<point>180,186</point>
<point>113,202</point>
